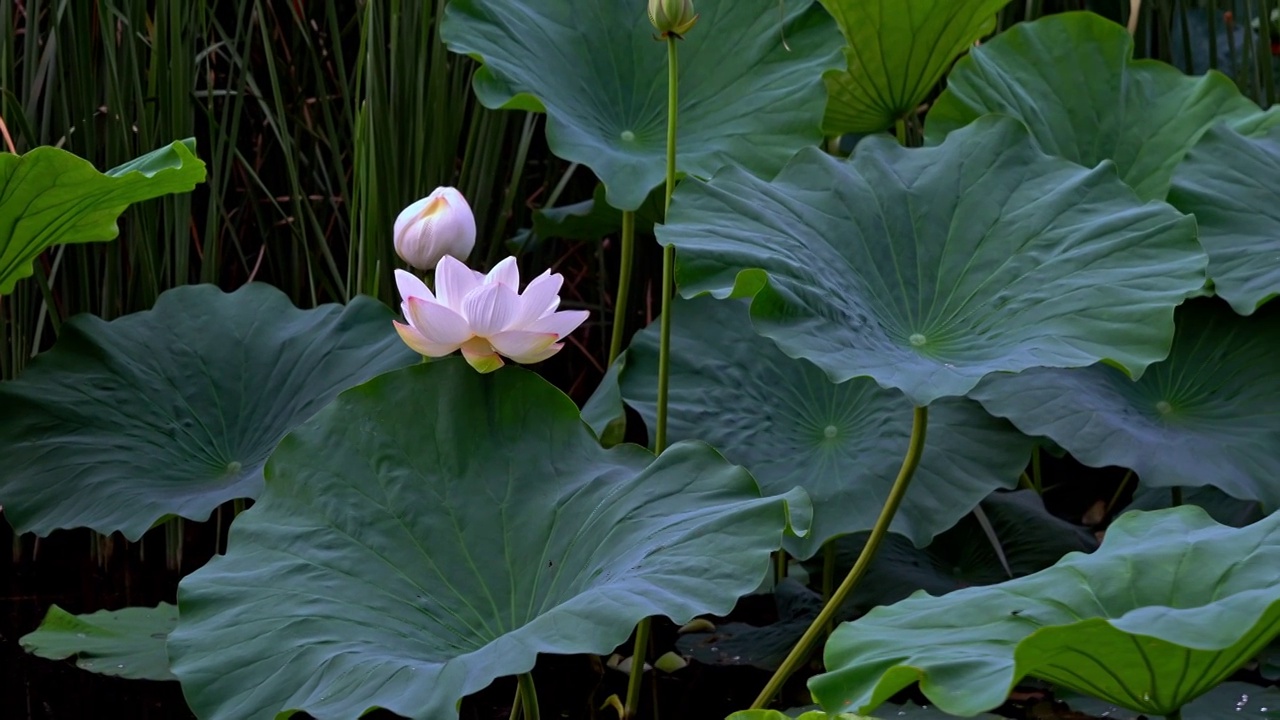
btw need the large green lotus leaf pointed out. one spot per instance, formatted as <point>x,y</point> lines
<point>1231,182</point>
<point>128,642</point>
<point>49,196</point>
<point>787,423</point>
<point>926,269</point>
<point>1072,79</point>
<point>435,529</point>
<point>594,66</point>
<point>1205,416</point>
<point>174,411</point>
<point>897,52</point>
<point>1168,607</point>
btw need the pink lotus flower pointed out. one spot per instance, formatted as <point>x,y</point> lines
<point>485,315</point>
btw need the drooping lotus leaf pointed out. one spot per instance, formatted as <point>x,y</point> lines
<point>896,53</point>
<point>1072,79</point>
<point>174,411</point>
<point>435,529</point>
<point>1031,540</point>
<point>128,643</point>
<point>787,423</point>
<point>49,196</point>
<point>927,269</point>
<point>1205,416</point>
<point>1231,182</point>
<point>1168,607</point>
<point>595,68</point>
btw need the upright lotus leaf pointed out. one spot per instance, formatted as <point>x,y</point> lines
<point>787,423</point>
<point>595,68</point>
<point>1231,182</point>
<point>174,411</point>
<point>926,269</point>
<point>49,196</point>
<point>1072,79</point>
<point>128,643</point>
<point>897,52</point>
<point>435,529</point>
<point>1168,607</point>
<point>1205,416</point>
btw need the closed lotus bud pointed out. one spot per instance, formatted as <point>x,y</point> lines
<point>672,17</point>
<point>439,224</point>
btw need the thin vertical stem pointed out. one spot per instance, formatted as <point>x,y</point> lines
<point>798,654</point>
<point>624,284</point>
<point>1175,496</point>
<point>528,697</point>
<point>828,578</point>
<point>664,344</point>
<point>1211,14</point>
<point>779,566</point>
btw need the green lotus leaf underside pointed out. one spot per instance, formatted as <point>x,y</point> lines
<point>1170,606</point>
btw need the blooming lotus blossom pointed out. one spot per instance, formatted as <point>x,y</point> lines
<point>440,224</point>
<point>485,315</point>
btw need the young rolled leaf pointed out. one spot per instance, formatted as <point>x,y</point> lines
<point>788,424</point>
<point>594,67</point>
<point>127,643</point>
<point>51,197</point>
<point>1168,607</point>
<point>896,53</point>
<point>1072,79</point>
<point>173,411</point>
<point>435,529</point>
<point>1205,416</point>
<point>1231,182</point>
<point>927,269</point>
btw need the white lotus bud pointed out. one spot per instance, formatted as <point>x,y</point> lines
<point>437,225</point>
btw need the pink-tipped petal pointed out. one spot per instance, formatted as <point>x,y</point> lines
<point>561,323</point>
<point>481,356</point>
<point>525,347</point>
<point>419,344</point>
<point>410,286</point>
<point>453,281</point>
<point>506,273</point>
<point>539,298</point>
<point>437,323</point>
<point>490,309</point>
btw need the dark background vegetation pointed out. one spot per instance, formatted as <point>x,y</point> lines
<point>319,120</point>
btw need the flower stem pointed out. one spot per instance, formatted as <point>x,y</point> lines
<point>528,697</point>
<point>668,252</point>
<point>624,284</point>
<point>664,346</point>
<point>799,653</point>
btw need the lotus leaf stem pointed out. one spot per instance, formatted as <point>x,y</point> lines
<point>528,697</point>
<point>664,347</point>
<point>624,284</point>
<point>799,653</point>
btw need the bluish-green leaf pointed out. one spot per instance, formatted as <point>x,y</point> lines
<point>927,269</point>
<point>1230,181</point>
<point>788,424</point>
<point>435,529</point>
<point>1072,79</point>
<point>596,69</point>
<point>173,411</point>
<point>1204,416</point>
